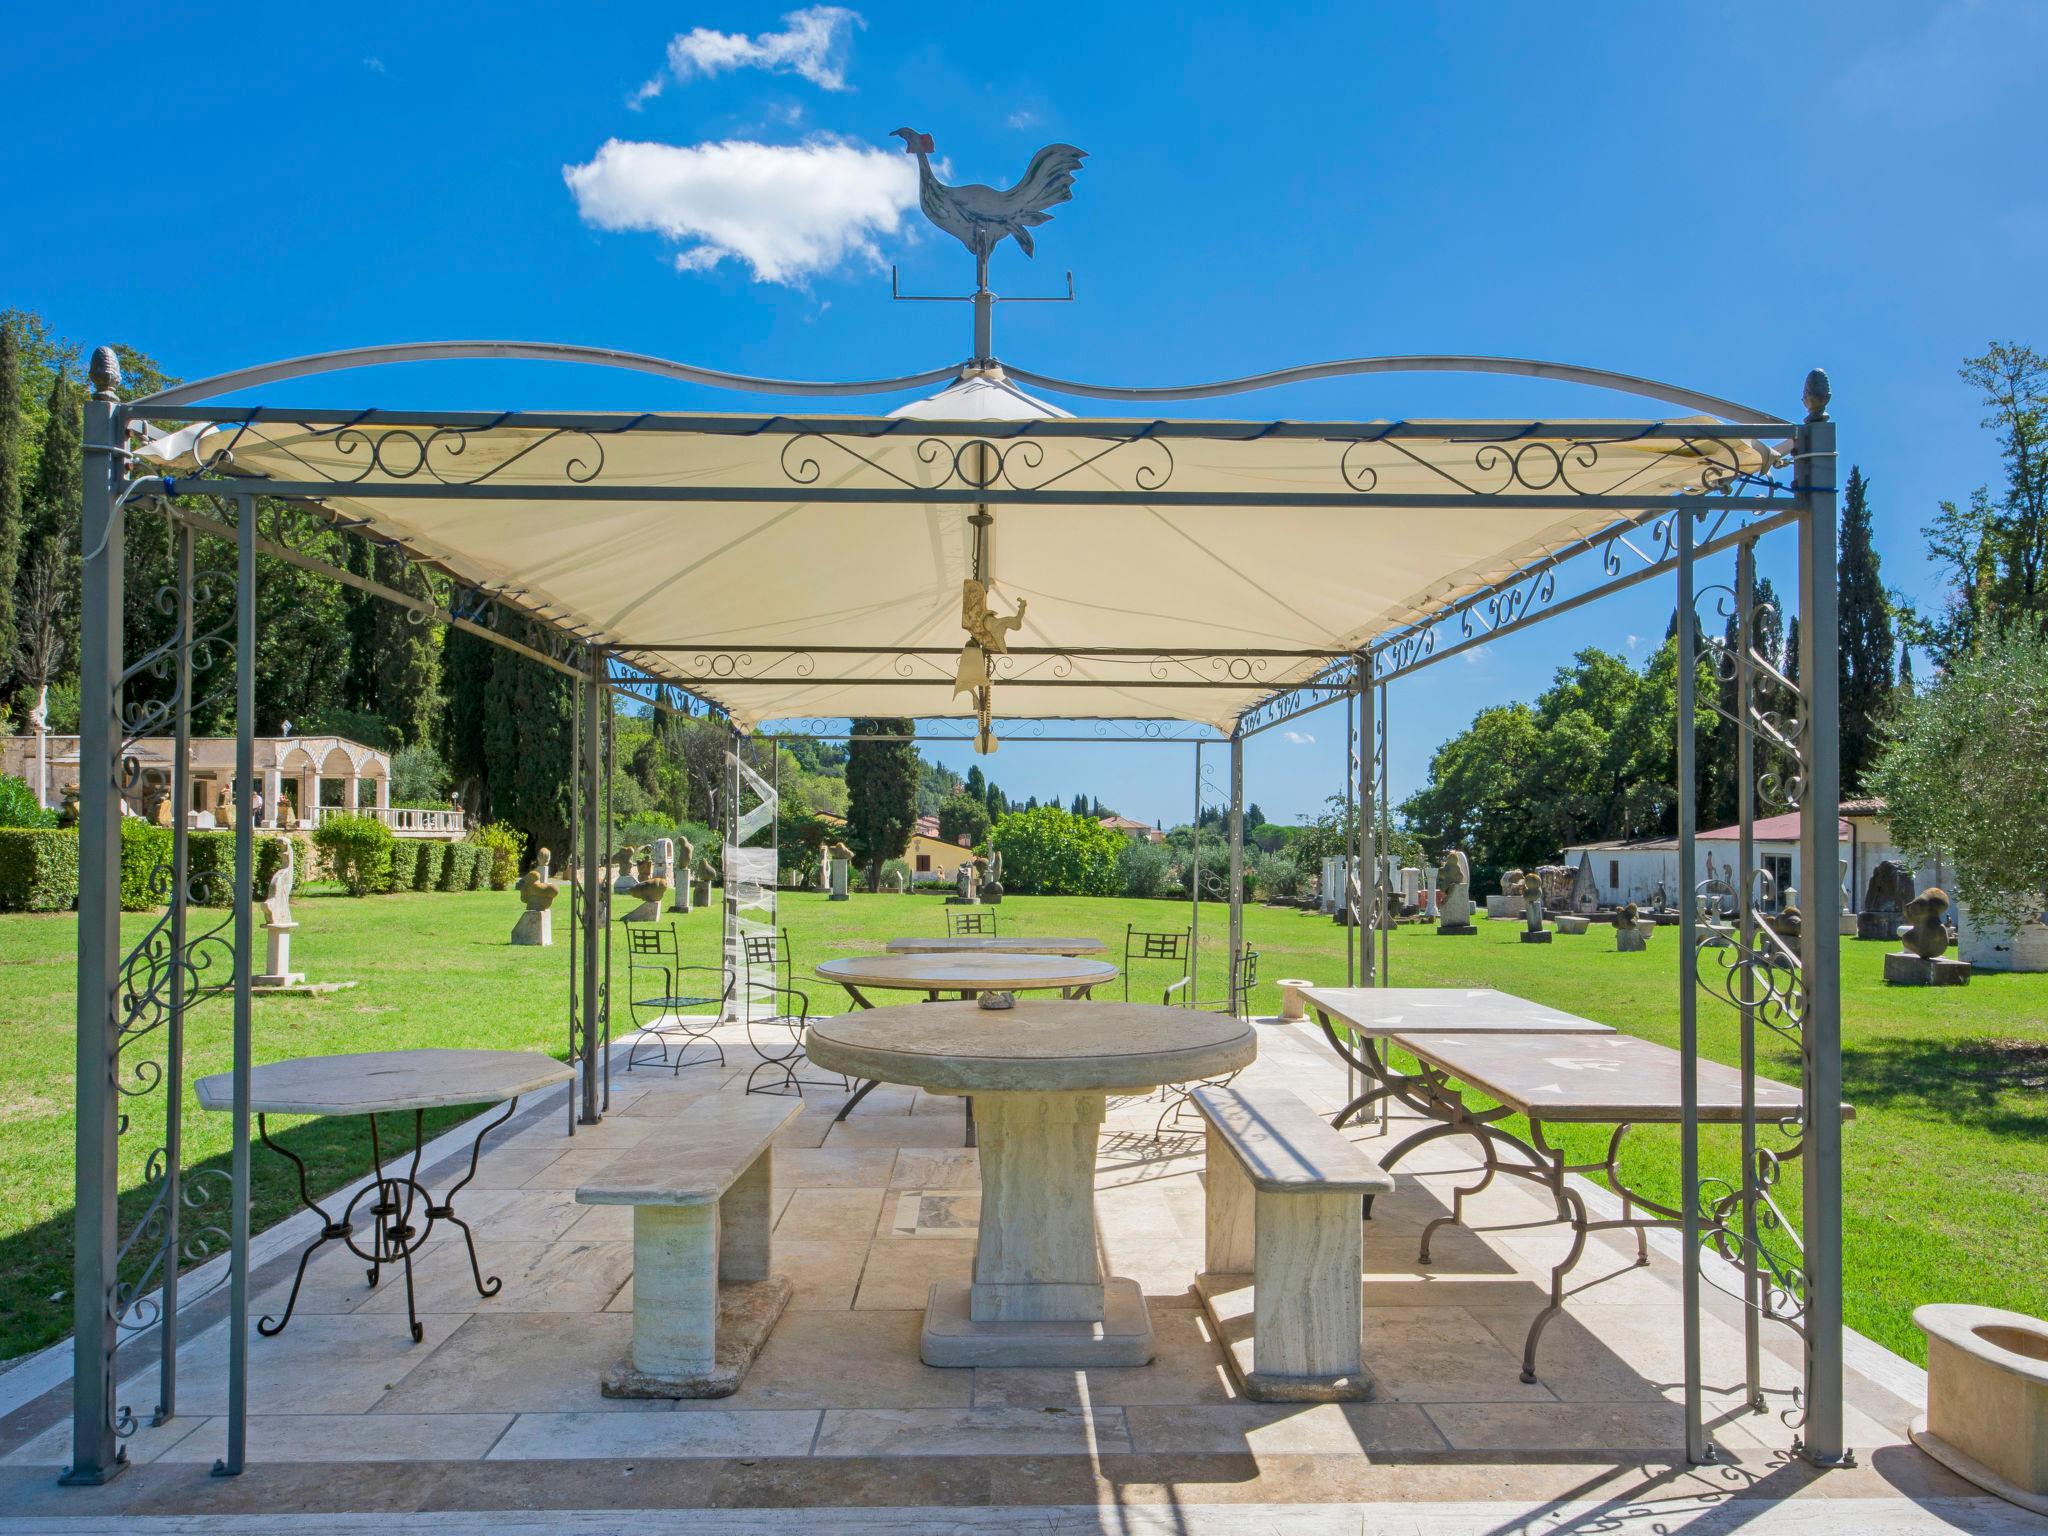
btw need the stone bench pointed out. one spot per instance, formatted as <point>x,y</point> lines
<point>702,1192</point>
<point>1284,1279</point>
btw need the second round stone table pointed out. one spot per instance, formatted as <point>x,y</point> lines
<point>1040,1074</point>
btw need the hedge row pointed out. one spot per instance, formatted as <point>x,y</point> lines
<point>39,866</point>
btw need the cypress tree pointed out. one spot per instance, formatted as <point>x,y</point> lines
<point>10,497</point>
<point>881,793</point>
<point>529,720</point>
<point>1865,656</point>
<point>1792,648</point>
<point>466,664</point>
<point>1906,668</point>
<point>51,509</point>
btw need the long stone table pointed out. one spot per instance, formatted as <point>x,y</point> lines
<point>990,944</point>
<point>402,1210</point>
<point>1520,1058</point>
<point>1039,1073</point>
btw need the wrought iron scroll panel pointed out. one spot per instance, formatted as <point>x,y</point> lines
<point>1745,962</point>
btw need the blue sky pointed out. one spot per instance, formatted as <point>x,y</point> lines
<point>1721,196</point>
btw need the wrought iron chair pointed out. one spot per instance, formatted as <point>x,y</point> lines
<point>1244,975</point>
<point>961,922</point>
<point>654,950</point>
<point>779,1042</point>
<point>768,951</point>
<point>1170,947</point>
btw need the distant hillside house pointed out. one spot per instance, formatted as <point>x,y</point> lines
<point>1133,829</point>
<point>933,860</point>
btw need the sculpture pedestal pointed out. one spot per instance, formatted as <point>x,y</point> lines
<point>1292,1009</point>
<point>1987,1399</point>
<point>1902,968</point>
<point>1455,930</point>
<point>534,927</point>
<point>1629,939</point>
<point>963,901</point>
<point>1536,935</point>
<point>1882,927</point>
<point>278,970</point>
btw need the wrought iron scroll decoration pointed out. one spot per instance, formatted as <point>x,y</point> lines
<point>980,463</point>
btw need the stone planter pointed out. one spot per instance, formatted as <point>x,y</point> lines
<point>1987,1399</point>
<point>1292,1009</point>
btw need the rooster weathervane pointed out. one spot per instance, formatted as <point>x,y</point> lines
<point>981,217</point>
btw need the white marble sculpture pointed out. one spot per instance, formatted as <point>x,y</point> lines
<point>839,869</point>
<point>686,861</point>
<point>278,926</point>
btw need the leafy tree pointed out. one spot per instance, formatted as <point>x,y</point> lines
<point>10,497</point>
<point>800,840</point>
<point>419,776</point>
<point>467,661</point>
<point>963,819</point>
<point>1865,634</point>
<point>881,793</point>
<point>50,510</point>
<point>1051,852</point>
<point>1965,775</point>
<point>1994,546</point>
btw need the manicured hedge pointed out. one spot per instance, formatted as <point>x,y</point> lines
<point>433,860</point>
<point>458,870</point>
<point>405,864</point>
<point>145,849</point>
<point>38,869</point>
<point>481,877</point>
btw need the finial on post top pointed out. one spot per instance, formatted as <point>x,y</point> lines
<point>105,373</point>
<point>1816,395</point>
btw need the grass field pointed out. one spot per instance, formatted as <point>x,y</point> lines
<point>1946,1165</point>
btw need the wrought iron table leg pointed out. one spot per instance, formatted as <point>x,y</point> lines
<point>859,1093</point>
<point>330,1231</point>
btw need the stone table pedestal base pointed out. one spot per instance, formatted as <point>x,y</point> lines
<point>1536,935</point>
<point>952,1338</point>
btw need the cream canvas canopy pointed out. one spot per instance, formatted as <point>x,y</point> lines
<point>792,567</point>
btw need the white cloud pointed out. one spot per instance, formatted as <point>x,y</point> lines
<point>374,65</point>
<point>812,44</point>
<point>1022,118</point>
<point>1298,738</point>
<point>786,210</point>
<point>1477,654</point>
<point>1634,641</point>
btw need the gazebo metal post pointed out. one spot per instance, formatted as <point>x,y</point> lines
<point>610,762</point>
<point>1365,834</point>
<point>1195,885</point>
<point>1820,952</point>
<point>96,1454</point>
<point>174,1028</point>
<point>1744,883</point>
<point>1697,1447</point>
<point>591,873</point>
<point>1230,971</point>
<point>245,879</point>
<point>1353,841</point>
<point>1376,754</point>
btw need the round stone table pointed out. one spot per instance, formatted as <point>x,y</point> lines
<point>400,1208</point>
<point>965,974</point>
<point>1039,1074</point>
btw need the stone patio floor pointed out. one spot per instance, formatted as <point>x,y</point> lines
<point>495,1421</point>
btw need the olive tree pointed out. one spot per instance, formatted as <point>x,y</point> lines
<point>1966,776</point>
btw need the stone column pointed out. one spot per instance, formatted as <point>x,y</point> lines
<point>351,792</point>
<point>273,796</point>
<point>384,793</point>
<point>1035,1255</point>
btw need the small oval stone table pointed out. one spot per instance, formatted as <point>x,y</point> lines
<point>989,944</point>
<point>402,1211</point>
<point>964,975</point>
<point>1039,1074</point>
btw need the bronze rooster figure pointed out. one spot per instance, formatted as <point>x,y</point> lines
<point>978,216</point>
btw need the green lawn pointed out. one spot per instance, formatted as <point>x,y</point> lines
<point>1947,1164</point>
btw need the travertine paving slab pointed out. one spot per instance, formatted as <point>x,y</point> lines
<point>900,1271</point>
<point>1188,1368</point>
<point>838,1214</point>
<point>566,1276</point>
<point>1549,1428</point>
<point>1284,1429</point>
<point>708,1432</point>
<point>831,1167</point>
<point>317,1365</point>
<point>349,1437</point>
<point>526,1363</point>
<point>951,1168</point>
<point>1442,1354</point>
<point>845,1359</point>
<point>972,1432</point>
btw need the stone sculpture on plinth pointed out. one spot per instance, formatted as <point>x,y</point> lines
<point>623,878</point>
<point>700,882</point>
<point>1533,931</point>
<point>537,893</point>
<point>651,888</point>
<point>1631,934</point>
<point>963,880</point>
<point>1884,902</point>
<point>686,856</point>
<point>1585,896</point>
<point>278,927</point>
<point>1922,960</point>
<point>992,885</point>
<point>1454,914</point>
<point>839,864</point>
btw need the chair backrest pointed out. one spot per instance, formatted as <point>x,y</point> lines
<point>651,939</point>
<point>1244,975</point>
<point>1141,944</point>
<point>973,920</point>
